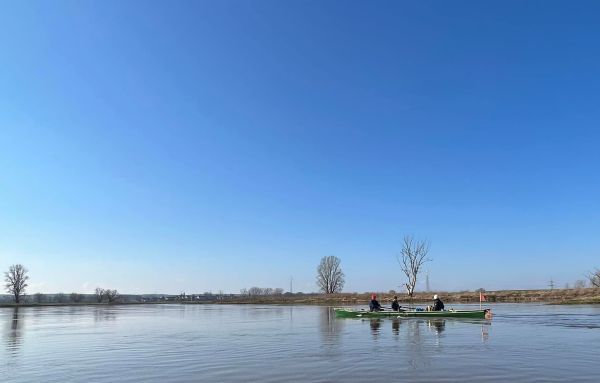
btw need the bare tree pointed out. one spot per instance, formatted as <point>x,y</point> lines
<point>330,277</point>
<point>254,291</point>
<point>38,297</point>
<point>412,256</point>
<point>111,295</point>
<point>16,281</point>
<point>579,284</point>
<point>258,291</point>
<point>60,298</point>
<point>594,278</point>
<point>99,294</point>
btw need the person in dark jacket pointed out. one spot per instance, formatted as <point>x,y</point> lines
<point>438,305</point>
<point>374,305</point>
<point>395,304</point>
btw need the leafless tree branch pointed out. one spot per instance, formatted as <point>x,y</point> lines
<point>16,281</point>
<point>99,294</point>
<point>111,295</point>
<point>594,278</point>
<point>412,256</point>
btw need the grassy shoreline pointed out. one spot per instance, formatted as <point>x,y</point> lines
<point>562,296</point>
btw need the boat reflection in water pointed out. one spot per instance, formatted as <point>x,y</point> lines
<point>419,339</point>
<point>436,327</point>
<point>375,327</point>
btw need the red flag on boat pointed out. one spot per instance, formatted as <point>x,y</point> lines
<point>482,298</point>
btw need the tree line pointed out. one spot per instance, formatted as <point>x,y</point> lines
<point>330,278</point>
<point>261,291</point>
<point>16,284</point>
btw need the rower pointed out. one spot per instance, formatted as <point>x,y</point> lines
<point>438,305</point>
<point>374,305</point>
<point>395,304</point>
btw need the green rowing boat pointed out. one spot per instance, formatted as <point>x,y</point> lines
<point>475,314</point>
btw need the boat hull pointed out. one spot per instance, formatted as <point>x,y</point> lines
<point>474,314</point>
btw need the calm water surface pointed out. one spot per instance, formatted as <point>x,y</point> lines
<point>254,343</point>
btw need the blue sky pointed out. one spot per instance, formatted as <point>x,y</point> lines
<point>203,146</point>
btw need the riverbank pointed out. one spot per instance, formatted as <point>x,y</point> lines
<point>562,296</point>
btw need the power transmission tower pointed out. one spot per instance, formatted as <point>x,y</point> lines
<point>551,284</point>
<point>427,281</point>
<point>291,282</point>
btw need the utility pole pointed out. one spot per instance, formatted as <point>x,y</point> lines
<point>291,285</point>
<point>427,281</point>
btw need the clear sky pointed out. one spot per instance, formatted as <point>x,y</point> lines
<point>154,146</point>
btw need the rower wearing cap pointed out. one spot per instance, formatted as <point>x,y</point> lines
<point>374,305</point>
<point>438,305</point>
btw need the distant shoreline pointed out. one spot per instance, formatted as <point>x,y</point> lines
<point>559,296</point>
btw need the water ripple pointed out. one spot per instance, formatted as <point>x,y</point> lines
<point>187,343</point>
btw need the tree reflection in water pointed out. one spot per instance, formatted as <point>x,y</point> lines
<point>437,325</point>
<point>104,314</point>
<point>13,331</point>
<point>418,357</point>
<point>331,328</point>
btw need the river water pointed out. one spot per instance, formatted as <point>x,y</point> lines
<point>259,343</point>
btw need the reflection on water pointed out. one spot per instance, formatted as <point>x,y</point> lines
<point>331,328</point>
<point>172,343</point>
<point>104,314</point>
<point>396,326</point>
<point>485,335</point>
<point>13,331</point>
<point>437,325</point>
<point>422,336</point>
<point>261,312</point>
<point>418,357</point>
<point>375,327</point>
